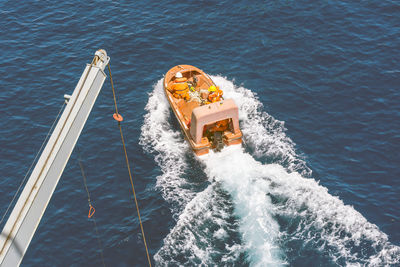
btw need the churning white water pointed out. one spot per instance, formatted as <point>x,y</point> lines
<point>236,210</point>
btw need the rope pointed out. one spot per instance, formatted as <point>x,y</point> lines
<point>33,162</point>
<point>113,90</point>
<point>128,166</point>
<point>91,208</point>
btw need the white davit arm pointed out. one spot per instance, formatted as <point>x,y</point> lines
<point>31,205</point>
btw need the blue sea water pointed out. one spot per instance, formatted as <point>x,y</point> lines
<point>317,84</point>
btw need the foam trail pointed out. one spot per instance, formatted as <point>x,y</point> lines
<point>323,221</point>
<point>239,175</point>
<point>253,213</point>
<point>305,211</point>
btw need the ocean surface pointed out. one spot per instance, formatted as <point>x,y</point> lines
<point>316,183</point>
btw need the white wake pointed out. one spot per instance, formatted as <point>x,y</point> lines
<point>251,213</point>
<point>265,194</point>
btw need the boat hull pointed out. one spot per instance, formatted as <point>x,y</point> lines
<point>197,118</point>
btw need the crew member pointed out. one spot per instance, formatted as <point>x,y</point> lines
<point>180,88</point>
<point>215,94</point>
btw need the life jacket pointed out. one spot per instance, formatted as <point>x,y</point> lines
<point>180,86</point>
<point>215,96</point>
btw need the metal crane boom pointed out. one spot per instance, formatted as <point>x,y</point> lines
<point>31,205</point>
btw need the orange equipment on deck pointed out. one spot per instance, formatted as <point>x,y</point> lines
<point>180,88</point>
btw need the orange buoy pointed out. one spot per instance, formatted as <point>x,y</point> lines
<point>118,117</point>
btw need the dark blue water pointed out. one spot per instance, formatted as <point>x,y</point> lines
<point>318,90</point>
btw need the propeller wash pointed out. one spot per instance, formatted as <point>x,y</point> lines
<point>257,207</point>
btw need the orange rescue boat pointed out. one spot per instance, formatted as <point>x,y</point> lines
<point>207,120</point>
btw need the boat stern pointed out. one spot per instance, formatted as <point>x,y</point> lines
<point>215,124</point>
